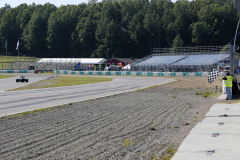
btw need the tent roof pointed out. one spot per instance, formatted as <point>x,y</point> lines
<point>73,60</point>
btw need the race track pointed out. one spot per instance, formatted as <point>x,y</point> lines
<point>20,101</point>
<point>10,83</point>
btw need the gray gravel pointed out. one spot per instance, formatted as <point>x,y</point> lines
<point>137,125</point>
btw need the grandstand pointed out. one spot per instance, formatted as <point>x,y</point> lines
<point>161,60</point>
<point>202,59</point>
<point>184,59</point>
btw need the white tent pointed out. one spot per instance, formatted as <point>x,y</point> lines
<point>68,63</point>
<point>73,60</point>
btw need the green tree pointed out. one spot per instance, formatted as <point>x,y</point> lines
<point>140,43</point>
<point>84,34</point>
<point>202,34</point>
<point>35,33</point>
<point>218,21</point>
<point>108,30</point>
<point>23,15</point>
<point>115,28</point>
<point>61,28</point>
<point>177,42</point>
<point>8,31</point>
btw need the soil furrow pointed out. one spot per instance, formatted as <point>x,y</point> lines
<point>136,125</point>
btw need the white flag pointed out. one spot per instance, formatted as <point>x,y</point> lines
<point>17,45</point>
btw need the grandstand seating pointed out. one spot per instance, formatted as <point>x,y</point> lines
<point>180,63</point>
<point>202,59</point>
<point>156,60</point>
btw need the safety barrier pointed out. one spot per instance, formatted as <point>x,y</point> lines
<point>128,73</point>
<point>16,71</point>
<point>120,73</point>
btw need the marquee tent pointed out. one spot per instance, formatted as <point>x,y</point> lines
<point>73,60</point>
<point>68,63</point>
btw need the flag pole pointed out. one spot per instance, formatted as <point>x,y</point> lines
<point>6,49</point>
<point>18,55</point>
<point>18,59</point>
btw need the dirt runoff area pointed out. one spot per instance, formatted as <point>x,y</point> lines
<point>142,125</point>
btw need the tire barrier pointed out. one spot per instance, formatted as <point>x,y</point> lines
<point>121,73</point>
<point>128,73</point>
<point>16,71</point>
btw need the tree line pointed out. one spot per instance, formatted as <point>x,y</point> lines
<point>115,28</point>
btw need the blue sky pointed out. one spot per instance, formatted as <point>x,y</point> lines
<point>57,3</point>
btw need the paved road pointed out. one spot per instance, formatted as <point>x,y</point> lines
<point>20,101</point>
<point>217,137</point>
<point>10,83</point>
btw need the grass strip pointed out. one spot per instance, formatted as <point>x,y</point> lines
<point>17,115</point>
<point>63,81</point>
<point>5,76</point>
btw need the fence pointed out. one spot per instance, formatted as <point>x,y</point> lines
<point>16,71</point>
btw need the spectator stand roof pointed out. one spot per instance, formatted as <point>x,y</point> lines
<point>73,60</point>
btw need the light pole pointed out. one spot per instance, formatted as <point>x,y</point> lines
<point>235,36</point>
<point>237,6</point>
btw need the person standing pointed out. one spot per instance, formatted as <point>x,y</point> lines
<point>228,79</point>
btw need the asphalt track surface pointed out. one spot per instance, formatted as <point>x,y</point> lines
<point>10,83</point>
<point>26,100</point>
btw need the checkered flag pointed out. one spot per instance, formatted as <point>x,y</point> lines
<point>212,76</point>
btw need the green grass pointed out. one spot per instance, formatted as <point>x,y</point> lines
<point>26,113</point>
<point>30,112</point>
<point>169,154</point>
<point>205,94</point>
<point>128,142</point>
<point>63,81</point>
<point>232,101</point>
<point>4,76</point>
